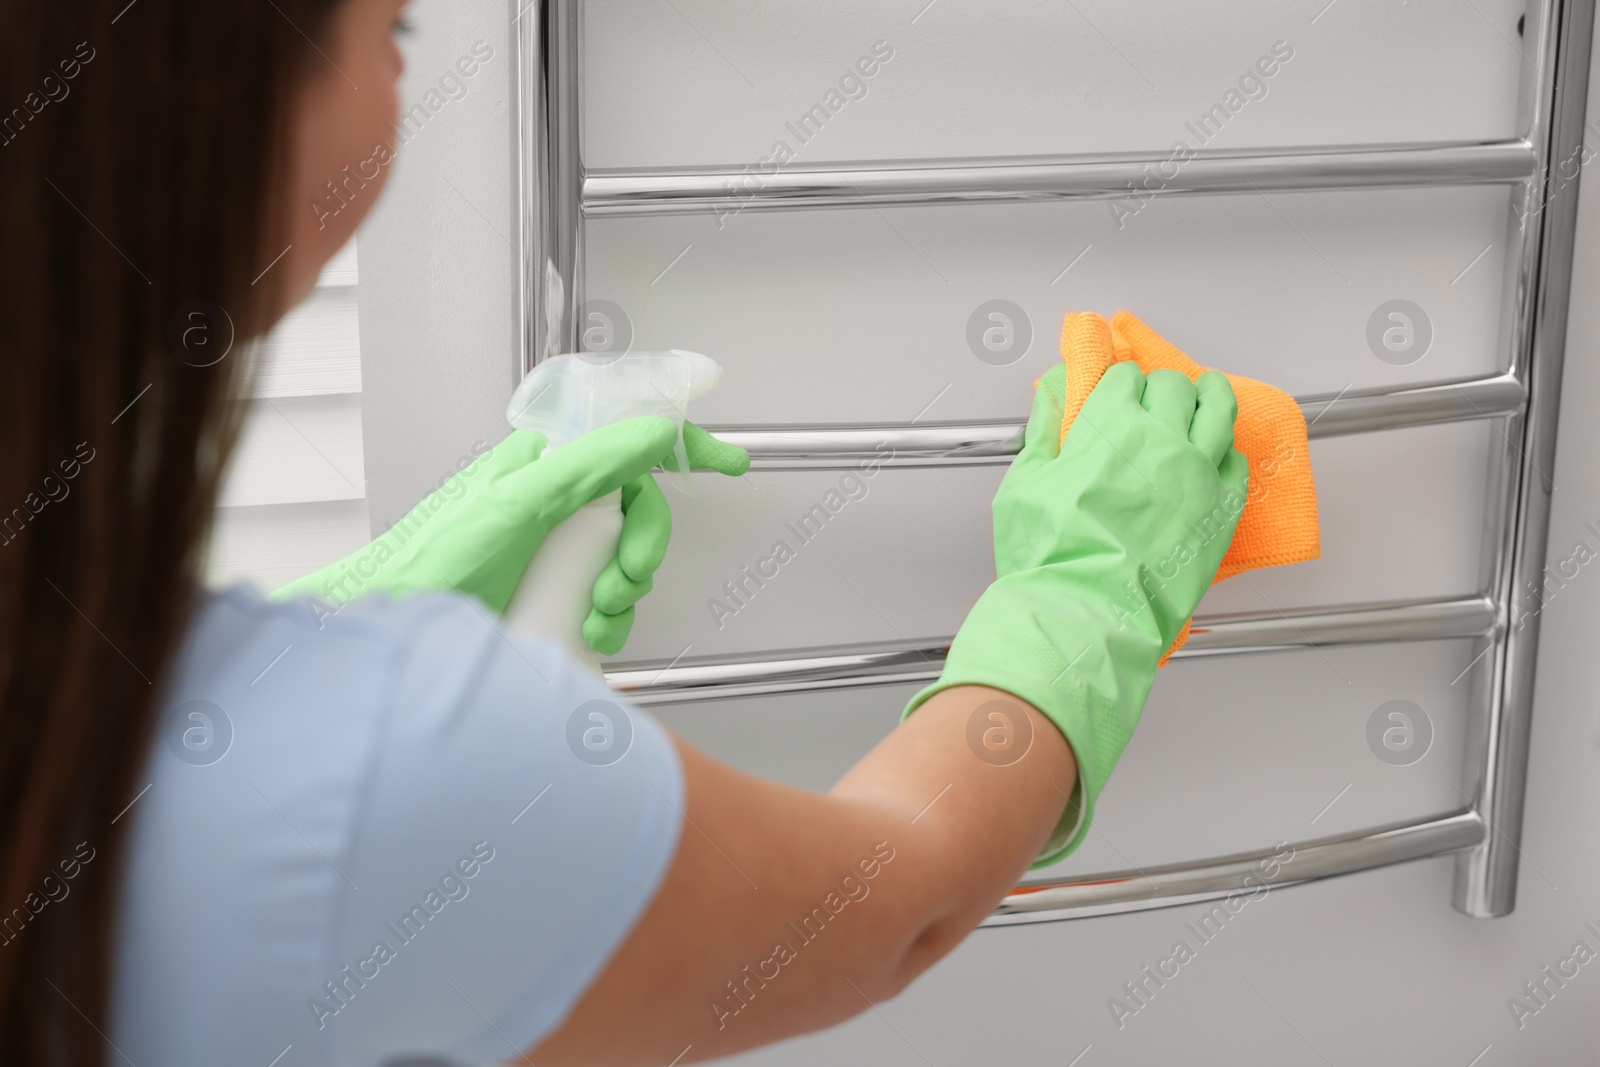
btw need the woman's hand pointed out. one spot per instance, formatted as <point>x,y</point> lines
<point>479,539</point>
<point>1104,543</point>
<point>646,528</point>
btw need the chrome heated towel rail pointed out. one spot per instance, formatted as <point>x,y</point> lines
<point>557,193</point>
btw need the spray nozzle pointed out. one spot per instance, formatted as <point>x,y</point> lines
<point>566,396</point>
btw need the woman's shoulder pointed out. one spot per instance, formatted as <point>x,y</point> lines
<point>360,677</point>
<point>319,783</point>
<point>237,636</point>
<point>376,617</point>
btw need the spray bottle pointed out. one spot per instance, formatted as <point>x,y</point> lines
<point>564,397</point>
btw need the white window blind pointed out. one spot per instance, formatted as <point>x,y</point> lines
<point>295,496</point>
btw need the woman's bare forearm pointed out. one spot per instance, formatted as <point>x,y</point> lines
<point>984,777</point>
<point>785,911</point>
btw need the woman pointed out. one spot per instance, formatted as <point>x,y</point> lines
<point>243,832</point>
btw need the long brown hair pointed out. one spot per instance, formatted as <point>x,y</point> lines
<point>142,167</point>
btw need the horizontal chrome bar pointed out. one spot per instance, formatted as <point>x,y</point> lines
<point>1411,620</point>
<point>1363,411</point>
<point>852,667</point>
<point>956,444</point>
<point>1135,177</point>
<point>1245,873</point>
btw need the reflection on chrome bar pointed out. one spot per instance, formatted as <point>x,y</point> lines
<point>957,444</point>
<point>690,679</point>
<point>1035,178</point>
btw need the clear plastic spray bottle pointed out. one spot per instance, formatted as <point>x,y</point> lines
<point>564,397</point>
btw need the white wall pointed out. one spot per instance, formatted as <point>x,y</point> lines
<point>862,315</point>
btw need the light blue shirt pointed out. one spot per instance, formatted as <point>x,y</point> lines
<point>390,833</point>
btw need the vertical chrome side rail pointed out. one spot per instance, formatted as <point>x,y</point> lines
<point>549,51</point>
<point>1555,93</point>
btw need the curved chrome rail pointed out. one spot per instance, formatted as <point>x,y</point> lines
<point>1033,178</point>
<point>691,679</point>
<point>1244,873</point>
<point>987,443</point>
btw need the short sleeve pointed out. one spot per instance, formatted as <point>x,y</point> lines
<point>517,819</point>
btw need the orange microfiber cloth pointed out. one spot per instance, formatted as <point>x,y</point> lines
<point>1279,522</point>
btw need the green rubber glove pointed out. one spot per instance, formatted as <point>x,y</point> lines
<point>1104,544</point>
<point>477,533</point>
